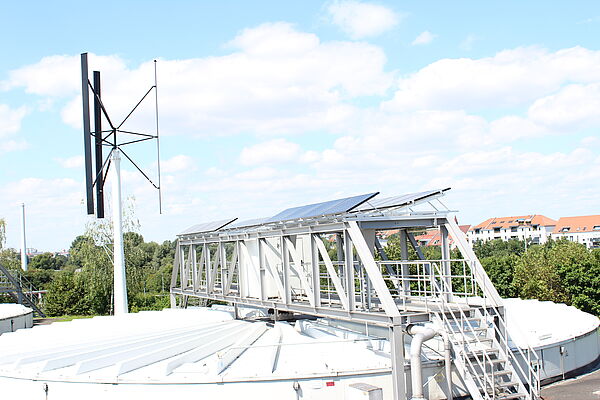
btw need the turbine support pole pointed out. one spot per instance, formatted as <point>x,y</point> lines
<point>120,281</point>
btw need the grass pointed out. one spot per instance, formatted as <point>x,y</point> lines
<point>67,318</point>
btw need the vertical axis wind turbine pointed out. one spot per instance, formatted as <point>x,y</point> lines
<point>114,139</point>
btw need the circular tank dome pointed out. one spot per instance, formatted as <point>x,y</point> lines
<point>15,316</point>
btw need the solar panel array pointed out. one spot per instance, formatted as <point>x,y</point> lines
<point>360,203</point>
<point>320,209</point>
<point>208,226</point>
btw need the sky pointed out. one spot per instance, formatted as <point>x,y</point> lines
<point>266,105</point>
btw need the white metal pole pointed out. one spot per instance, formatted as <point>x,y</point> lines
<point>120,282</point>
<point>23,240</point>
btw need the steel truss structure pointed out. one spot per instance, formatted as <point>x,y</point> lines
<point>326,260</point>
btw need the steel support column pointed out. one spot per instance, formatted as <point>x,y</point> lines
<point>397,354</point>
<point>446,265</point>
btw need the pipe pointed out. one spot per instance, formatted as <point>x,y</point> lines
<point>448,364</point>
<point>420,333</point>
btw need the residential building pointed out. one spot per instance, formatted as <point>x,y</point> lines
<point>432,237</point>
<point>583,229</point>
<point>534,228</point>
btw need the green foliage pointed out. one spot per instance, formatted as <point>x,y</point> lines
<point>498,247</point>
<point>88,274</point>
<point>39,278</point>
<point>47,261</point>
<point>148,301</point>
<point>2,232</point>
<point>66,295</point>
<point>10,258</point>
<point>501,271</point>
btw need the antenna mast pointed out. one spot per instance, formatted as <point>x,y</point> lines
<point>109,138</point>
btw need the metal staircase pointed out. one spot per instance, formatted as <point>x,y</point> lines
<point>479,337</point>
<point>20,289</point>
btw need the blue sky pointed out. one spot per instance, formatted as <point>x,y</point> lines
<point>271,104</point>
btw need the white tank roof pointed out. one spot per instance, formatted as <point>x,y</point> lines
<point>13,310</point>
<point>541,323</point>
<point>182,346</point>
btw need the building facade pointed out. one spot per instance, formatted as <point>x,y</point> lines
<point>583,229</point>
<point>534,228</point>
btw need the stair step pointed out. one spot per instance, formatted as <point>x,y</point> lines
<point>496,374</point>
<point>511,396</point>
<point>473,340</point>
<point>472,328</point>
<point>507,384</point>
<point>478,353</point>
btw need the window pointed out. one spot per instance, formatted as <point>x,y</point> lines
<point>496,230</point>
<point>477,231</point>
<point>597,227</point>
<point>513,228</point>
<point>566,229</point>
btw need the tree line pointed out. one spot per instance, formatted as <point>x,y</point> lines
<point>81,284</point>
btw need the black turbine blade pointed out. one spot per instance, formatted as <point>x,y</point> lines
<point>98,147</point>
<point>85,95</point>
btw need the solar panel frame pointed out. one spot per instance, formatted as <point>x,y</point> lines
<point>401,200</point>
<point>206,227</point>
<point>331,207</point>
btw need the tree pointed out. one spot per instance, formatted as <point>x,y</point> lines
<point>501,270</point>
<point>47,261</point>
<point>579,272</point>
<point>499,247</point>
<point>536,278</point>
<point>2,233</point>
<point>67,296</point>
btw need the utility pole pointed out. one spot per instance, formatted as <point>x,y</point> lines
<point>23,240</point>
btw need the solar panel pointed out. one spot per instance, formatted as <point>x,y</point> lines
<point>402,200</point>
<point>319,209</point>
<point>208,226</point>
<point>247,223</point>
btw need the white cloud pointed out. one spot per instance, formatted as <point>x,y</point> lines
<point>178,163</point>
<point>508,79</point>
<point>71,162</point>
<point>10,124</point>
<point>275,151</point>
<point>425,37</point>
<point>10,119</point>
<point>360,20</point>
<point>277,80</point>
<point>572,107</point>
<point>48,204</point>
<point>60,75</point>
<point>468,42</point>
<point>12,145</point>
